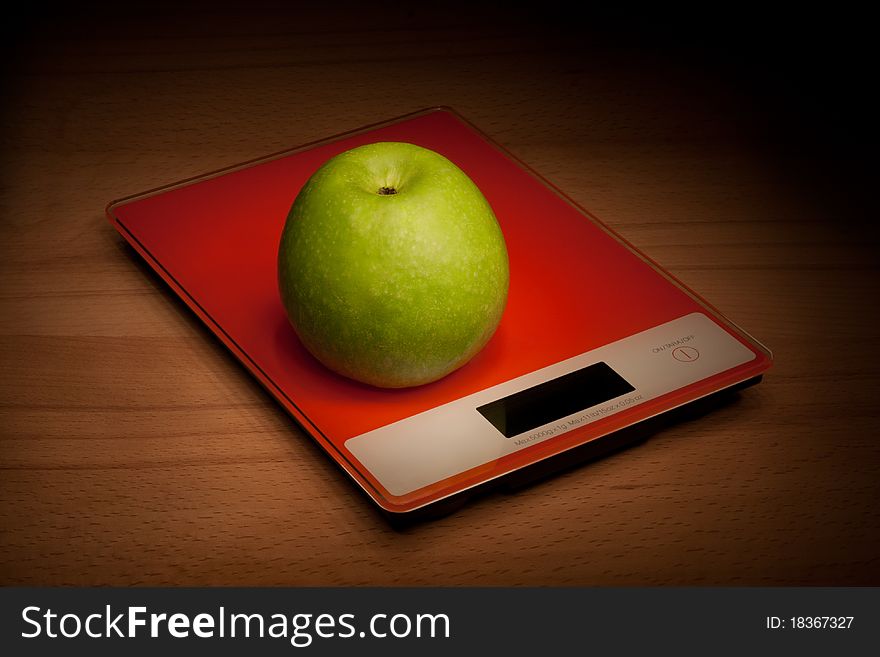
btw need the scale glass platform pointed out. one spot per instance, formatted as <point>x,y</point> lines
<point>595,338</point>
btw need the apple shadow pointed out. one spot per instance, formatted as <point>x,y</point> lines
<point>292,351</point>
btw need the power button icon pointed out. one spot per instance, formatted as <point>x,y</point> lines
<point>685,354</point>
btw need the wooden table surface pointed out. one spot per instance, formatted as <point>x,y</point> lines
<point>136,451</point>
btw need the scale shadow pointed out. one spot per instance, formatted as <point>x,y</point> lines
<point>511,484</point>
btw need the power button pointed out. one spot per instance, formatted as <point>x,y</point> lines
<point>685,354</point>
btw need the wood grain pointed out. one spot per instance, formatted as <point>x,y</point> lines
<point>135,451</point>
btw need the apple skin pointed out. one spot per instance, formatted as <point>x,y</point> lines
<point>392,267</point>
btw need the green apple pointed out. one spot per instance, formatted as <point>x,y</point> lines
<point>392,267</point>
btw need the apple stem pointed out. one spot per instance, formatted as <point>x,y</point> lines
<point>385,191</point>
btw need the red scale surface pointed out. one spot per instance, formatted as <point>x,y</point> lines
<point>574,286</point>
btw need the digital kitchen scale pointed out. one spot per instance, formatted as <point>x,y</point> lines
<point>595,337</point>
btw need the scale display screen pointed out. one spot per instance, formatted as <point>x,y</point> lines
<point>554,399</point>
